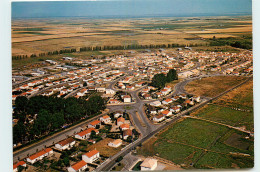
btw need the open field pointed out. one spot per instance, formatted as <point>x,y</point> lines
<point>212,86</point>
<point>225,115</point>
<point>241,97</point>
<point>33,36</point>
<point>202,145</point>
<point>103,148</point>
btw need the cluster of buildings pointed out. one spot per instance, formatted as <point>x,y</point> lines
<point>118,124</point>
<point>158,111</point>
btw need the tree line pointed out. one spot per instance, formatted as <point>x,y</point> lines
<point>107,47</point>
<point>159,80</point>
<point>41,115</point>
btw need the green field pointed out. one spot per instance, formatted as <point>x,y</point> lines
<point>194,143</point>
<point>224,115</point>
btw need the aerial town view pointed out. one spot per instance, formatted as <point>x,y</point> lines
<point>130,86</point>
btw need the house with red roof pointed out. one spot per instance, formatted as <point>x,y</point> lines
<point>39,155</point>
<point>91,156</point>
<point>16,165</point>
<point>120,121</point>
<point>105,119</point>
<point>158,118</point>
<point>167,101</point>
<point>65,144</point>
<point>127,133</point>
<point>166,113</point>
<point>78,166</point>
<point>94,124</point>
<point>124,127</point>
<point>85,134</point>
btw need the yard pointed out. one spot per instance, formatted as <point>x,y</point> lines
<point>104,149</point>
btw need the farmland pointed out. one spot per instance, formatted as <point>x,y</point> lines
<point>200,144</point>
<point>32,36</point>
<point>212,86</point>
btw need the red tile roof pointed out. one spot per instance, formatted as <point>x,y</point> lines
<point>18,164</point>
<point>91,153</point>
<point>94,122</point>
<point>38,154</point>
<point>79,165</point>
<point>66,141</point>
<point>87,131</point>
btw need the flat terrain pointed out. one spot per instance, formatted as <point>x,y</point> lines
<point>34,36</point>
<point>195,143</point>
<point>212,86</point>
<point>103,148</point>
<point>202,144</point>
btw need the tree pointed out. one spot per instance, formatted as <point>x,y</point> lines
<point>172,75</point>
<point>159,80</point>
<point>21,103</point>
<point>19,132</point>
<point>93,134</point>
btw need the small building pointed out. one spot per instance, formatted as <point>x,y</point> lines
<point>167,113</point>
<point>167,101</point>
<point>120,121</point>
<point>116,143</point>
<point>156,103</point>
<point>126,98</point>
<point>39,155</point>
<point>127,133</point>
<point>159,118</point>
<point>16,165</point>
<point>149,164</point>
<point>94,124</point>
<point>65,144</point>
<point>105,119</point>
<point>91,156</point>
<point>85,134</point>
<point>78,167</point>
<point>124,127</point>
<point>118,114</point>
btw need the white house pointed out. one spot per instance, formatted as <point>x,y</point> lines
<point>78,167</point>
<point>16,165</point>
<point>167,113</point>
<point>148,164</point>
<point>126,98</point>
<point>158,118</point>
<point>120,121</point>
<point>124,127</point>
<point>116,143</point>
<point>39,155</point>
<point>65,144</point>
<point>90,156</point>
<point>94,124</point>
<point>127,133</point>
<point>167,101</point>
<point>110,91</point>
<point>85,134</point>
<point>118,114</point>
<point>156,103</point>
<point>106,119</point>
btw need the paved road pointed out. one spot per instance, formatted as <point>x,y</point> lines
<point>107,165</point>
<point>22,153</point>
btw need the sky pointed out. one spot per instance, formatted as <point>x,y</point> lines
<point>130,8</point>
